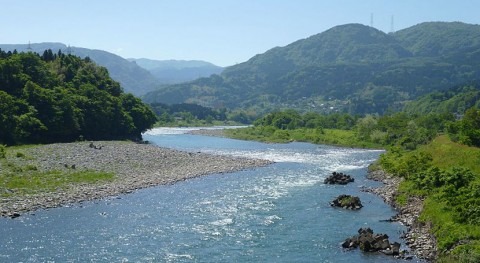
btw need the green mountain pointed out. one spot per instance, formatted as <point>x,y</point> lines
<point>177,71</point>
<point>133,79</point>
<point>349,68</point>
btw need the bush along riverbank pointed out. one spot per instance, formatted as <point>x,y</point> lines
<point>438,198</point>
<point>46,176</point>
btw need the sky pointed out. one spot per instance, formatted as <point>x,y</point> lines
<point>223,32</point>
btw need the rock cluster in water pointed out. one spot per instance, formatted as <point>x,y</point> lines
<point>368,241</point>
<point>339,178</point>
<point>347,202</point>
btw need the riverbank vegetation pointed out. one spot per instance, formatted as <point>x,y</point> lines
<point>192,115</point>
<point>20,176</point>
<point>446,175</point>
<point>405,131</point>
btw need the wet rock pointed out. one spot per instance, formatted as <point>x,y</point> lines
<point>368,241</point>
<point>14,215</point>
<point>339,178</point>
<point>347,202</point>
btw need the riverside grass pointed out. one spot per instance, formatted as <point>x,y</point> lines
<point>457,241</point>
<point>337,137</point>
<point>18,177</point>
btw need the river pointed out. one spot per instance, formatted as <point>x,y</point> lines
<point>277,213</point>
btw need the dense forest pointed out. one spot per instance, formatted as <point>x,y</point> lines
<point>55,97</point>
<point>350,68</point>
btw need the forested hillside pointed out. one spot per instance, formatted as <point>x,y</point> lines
<point>56,97</point>
<point>134,79</point>
<point>350,68</point>
<point>455,100</point>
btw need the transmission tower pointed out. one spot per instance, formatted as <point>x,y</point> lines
<point>29,47</point>
<point>68,50</point>
<point>392,27</point>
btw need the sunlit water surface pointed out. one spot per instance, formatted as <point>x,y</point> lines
<point>278,213</point>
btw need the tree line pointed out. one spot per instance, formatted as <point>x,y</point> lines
<point>407,131</point>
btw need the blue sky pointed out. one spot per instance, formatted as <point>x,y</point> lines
<point>224,32</point>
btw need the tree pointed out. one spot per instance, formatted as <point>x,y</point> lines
<point>8,110</point>
<point>143,117</point>
<point>470,127</point>
<point>365,127</point>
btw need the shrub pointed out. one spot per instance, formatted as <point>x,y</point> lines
<point>31,167</point>
<point>378,136</point>
<point>3,151</point>
<point>281,135</point>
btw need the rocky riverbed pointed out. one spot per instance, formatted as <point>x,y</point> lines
<point>135,165</point>
<point>417,237</point>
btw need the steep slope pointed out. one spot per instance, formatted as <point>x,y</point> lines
<point>132,78</point>
<point>177,71</point>
<point>351,68</point>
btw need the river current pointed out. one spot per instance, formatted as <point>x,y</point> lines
<point>277,213</point>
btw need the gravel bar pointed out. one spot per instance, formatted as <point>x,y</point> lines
<point>135,165</point>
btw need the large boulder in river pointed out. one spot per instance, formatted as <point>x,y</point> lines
<point>339,178</point>
<point>368,241</point>
<point>347,202</point>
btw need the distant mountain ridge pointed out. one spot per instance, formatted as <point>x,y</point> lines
<point>353,68</point>
<point>433,39</point>
<point>177,71</point>
<point>133,79</point>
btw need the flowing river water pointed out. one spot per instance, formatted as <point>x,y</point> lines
<point>277,213</point>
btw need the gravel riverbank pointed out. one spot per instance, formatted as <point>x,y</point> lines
<point>417,237</point>
<point>136,166</point>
